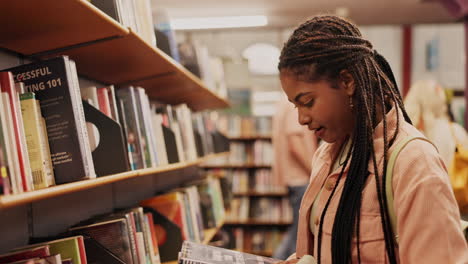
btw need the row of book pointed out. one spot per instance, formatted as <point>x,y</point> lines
<point>136,15</point>
<point>258,181</point>
<point>245,126</point>
<point>49,135</point>
<point>262,209</point>
<point>147,234</point>
<point>260,241</point>
<point>258,153</point>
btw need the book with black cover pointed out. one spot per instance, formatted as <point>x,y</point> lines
<point>98,254</point>
<point>53,84</point>
<point>112,234</point>
<point>195,253</point>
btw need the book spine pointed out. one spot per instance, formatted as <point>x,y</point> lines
<point>6,184</point>
<point>49,169</point>
<point>159,140</point>
<point>134,137</point>
<point>31,122</point>
<point>7,86</point>
<point>148,126</point>
<point>153,238</point>
<point>15,173</point>
<point>80,121</point>
<point>103,100</point>
<point>113,103</point>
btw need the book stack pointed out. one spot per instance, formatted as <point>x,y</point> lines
<point>64,250</point>
<point>245,126</point>
<point>128,234</point>
<point>184,214</point>
<point>146,234</point>
<point>49,134</point>
<point>43,136</point>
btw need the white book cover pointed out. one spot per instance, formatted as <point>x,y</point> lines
<point>160,143</point>
<point>81,121</point>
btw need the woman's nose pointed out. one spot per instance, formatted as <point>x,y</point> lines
<point>303,117</point>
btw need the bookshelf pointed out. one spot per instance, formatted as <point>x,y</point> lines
<point>63,189</point>
<point>103,50</point>
<point>105,53</point>
<point>259,210</point>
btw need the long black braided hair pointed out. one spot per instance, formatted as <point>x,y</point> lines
<point>320,49</point>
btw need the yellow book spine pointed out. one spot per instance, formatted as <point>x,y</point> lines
<point>32,127</point>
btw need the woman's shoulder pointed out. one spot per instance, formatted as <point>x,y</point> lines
<point>418,157</point>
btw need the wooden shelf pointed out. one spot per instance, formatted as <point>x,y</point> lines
<point>103,50</point>
<point>62,189</point>
<point>252,137</point>
<point>38,26</point>
<point>232,166</point>
<point>254,222</point>
<point>261,194</point>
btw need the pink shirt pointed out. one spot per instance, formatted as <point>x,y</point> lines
<point>427,214</point>
<point>293,145</point>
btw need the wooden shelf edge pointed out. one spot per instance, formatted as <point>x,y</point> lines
<point>7,201</point>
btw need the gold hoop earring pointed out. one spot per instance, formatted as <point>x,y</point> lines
<point>351,105</point>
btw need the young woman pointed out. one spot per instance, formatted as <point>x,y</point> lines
<point>346,93</point>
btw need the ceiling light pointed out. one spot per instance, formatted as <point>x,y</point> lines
<point>218,22</point>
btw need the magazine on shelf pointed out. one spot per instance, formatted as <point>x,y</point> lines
<point>195,253</point>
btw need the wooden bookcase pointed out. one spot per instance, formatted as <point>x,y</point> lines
<point>105,53</point>
<point>252,225</point>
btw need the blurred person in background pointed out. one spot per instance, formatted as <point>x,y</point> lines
<point>429,109</point>
<point>293,146</point>
<point>426,105</point>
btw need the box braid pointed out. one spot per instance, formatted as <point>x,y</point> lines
<point>318,50</point>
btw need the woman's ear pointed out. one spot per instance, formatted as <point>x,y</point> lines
<point>346,81</point>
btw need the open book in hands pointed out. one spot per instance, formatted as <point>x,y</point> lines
<point>194,253</point>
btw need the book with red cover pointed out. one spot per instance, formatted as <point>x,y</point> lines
<point>36,252</point>
<point>7,85</point>
<point>168,222</point>
<point>103,100</point>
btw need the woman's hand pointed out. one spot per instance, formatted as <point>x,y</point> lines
<point>291,261</point>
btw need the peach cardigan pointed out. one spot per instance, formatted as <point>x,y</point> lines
<point>426,210</point>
